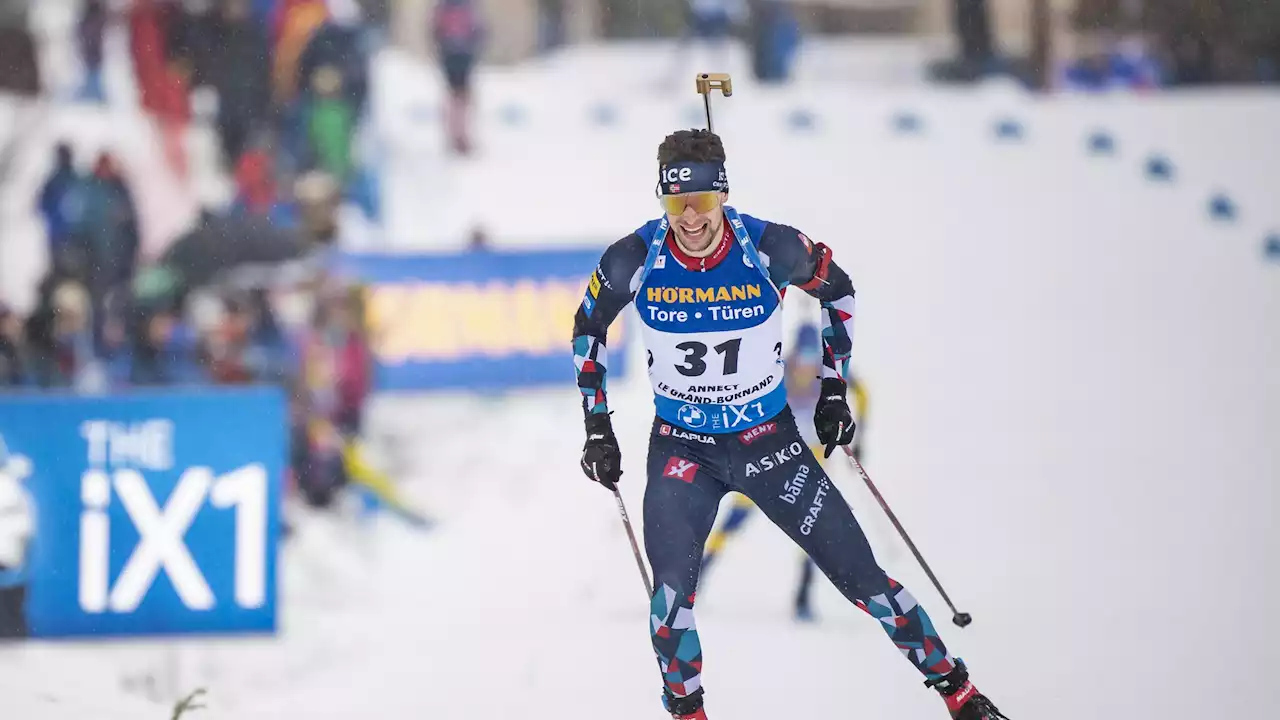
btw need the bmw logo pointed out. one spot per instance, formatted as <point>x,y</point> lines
<point>692,416</point>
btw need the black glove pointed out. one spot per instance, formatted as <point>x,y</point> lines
<point>832,418</point>
<point>601,456</point>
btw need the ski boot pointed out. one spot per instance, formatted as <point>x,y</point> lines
<point>962,698</point>
<point>684,708</point>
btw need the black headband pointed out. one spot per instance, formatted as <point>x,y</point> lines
<point>686,177</point>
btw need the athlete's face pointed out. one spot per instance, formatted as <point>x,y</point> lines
<point>699,222</point>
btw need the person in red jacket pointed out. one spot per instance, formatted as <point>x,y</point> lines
<point>163,83</point>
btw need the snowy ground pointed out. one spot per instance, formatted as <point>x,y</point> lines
<point>1075,410</point>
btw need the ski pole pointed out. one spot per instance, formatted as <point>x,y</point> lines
<point>631,535</point>
<point>706,82</point>
<point>635,547</point>
<point>959,618</point>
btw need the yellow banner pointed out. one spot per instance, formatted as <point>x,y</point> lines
<point>441,321</point>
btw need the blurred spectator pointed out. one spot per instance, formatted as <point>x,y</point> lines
<point>551,25</point>
<point>187,27</point>
<point>59,339</point>
<point>329,399</point>
<point>330,124</point>
<point>258,193</point>
<point>240,73</point>
<point>709,24</point>
<point>337,43</point>
<point>264,12</point>
<point>1192,60</point>
<point>458,33</point>
<point>163,80</point>
<point>1197,42</point>
<point>255,183</point>
<point>479,239</point>
<point>973,28</point>
<point>108,230</point>
<point>377,23</point>
<point>160,352</point>
<point>248,344</point>
<point>295,23</point>
<point>337,362</point>
<point>13,362</point>
<point>226,347</point>
<point>774,33</point>
<point>38,332</point>
<point>90,31</point>
<point>19,67</point>
<point>268,355</point>
<point>712,20</point>
<point>317,198</point>
<point>1109,63</point>
<point>979,56</point>
<point>315,453</point>
<point>61,206</point>
<point>17,527</point>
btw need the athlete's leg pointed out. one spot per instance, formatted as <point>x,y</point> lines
<point>686,480</point>
<point>786,482</point>
<point>804,604</point>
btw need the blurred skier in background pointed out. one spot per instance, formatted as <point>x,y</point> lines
<point>804,387</point>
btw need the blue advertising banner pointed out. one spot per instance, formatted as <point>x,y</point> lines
<point>476,320</point>
<point>155,513</point>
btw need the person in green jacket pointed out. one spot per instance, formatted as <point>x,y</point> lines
<point>330,123</point>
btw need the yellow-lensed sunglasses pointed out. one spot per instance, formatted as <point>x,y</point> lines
<point>701,202</point>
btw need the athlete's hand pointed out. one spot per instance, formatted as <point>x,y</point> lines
<point>832,418</point>
<point>601,456</point>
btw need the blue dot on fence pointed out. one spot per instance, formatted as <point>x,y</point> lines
<point>604,115</point>
<point>423,113</point>
<point>1271,247</point>
<point>800,119</point>
<point>512,114</point>
<point>1222,208</point>
<point>1009,129</point>
<point>906,122</point>
<point>1102,143</point>
<point>1159,168</point>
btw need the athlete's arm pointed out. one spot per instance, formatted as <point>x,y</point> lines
<point>795,260</point>
<point>608,293</point>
